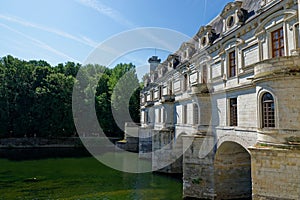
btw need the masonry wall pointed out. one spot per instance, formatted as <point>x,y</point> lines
<point>275,174</point>
<point>198,168</point>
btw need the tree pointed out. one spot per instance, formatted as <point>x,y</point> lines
<point>36,98</point>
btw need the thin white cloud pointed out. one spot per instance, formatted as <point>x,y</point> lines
<point>205,9</point>
<point>107,11</point>
<point>41,44</point>
<point>89,41</point>
<point>83,39</point>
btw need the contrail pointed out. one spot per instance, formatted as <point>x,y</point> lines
<point>107,11</point>
<point>40,44</point>
<point>83,39</point>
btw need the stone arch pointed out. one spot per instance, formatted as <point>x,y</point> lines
<point>232,172</point>
<point>235,139</point>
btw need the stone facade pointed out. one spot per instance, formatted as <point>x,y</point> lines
<point>224,109</point>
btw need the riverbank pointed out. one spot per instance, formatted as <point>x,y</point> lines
<point>57,142</point>
<point>36,142</point>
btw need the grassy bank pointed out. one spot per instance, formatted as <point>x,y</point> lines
<point>80,178</point>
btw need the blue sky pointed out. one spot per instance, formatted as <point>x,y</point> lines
<point>69,30</point>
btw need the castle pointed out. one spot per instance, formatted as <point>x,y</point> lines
<point>224,109</point>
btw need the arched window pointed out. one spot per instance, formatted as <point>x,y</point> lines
<point>268,111</point>
<point>196,114</point>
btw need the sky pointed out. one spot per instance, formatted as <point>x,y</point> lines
<point>58,31</point>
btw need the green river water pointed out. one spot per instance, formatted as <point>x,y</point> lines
<point>81,178</point>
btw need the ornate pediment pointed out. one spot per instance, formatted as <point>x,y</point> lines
<point>233,15</point>
<point>173,60</point>
<point>186,45</point>
<point>186,50</point>
<point>231,8</point>
<point>206,36</point>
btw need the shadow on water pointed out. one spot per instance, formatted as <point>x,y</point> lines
<point>20,154</point>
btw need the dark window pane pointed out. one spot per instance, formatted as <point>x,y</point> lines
<point>268,109</point>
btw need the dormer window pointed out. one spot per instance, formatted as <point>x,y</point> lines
<point>184,55</point>
<point>233,14</point>
<point>203,41</point>
<point>186,50</point>
<point>230,21</point>
<point>206,36</point>
<point>187,53</point>
<point>173,60</point>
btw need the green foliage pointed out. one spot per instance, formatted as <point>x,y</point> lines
<point>36,98</point>
<point>114,92</point>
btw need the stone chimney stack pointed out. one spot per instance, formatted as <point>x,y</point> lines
<point>154,62</point>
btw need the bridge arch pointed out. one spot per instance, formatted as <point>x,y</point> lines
<point>241,140</point>
<point>232,171</point>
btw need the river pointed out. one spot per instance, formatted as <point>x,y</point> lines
<point>25,175</point>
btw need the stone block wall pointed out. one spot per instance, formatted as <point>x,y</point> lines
<point>198,168</point>
<point>275,173</point>
<point>166,152</point>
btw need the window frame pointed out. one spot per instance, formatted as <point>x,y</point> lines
<point>146,117</point>
<point>280,39</point>
<point>233,112</point>
<point>232,65</point>
<point>267,116</point>
<point>185,83</point>
<point>196,118</point>
<point>159,115</point>
<point>297,35</point>
<point>184,114</point>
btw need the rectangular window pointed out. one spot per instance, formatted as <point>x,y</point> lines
<point>151,95</point>
<point>185,82</point>
<point>277,43</point>
<point>232,64</point>
<point>160,90</point>
<point>297,36</point>
<point>146,121</point>
<point>159,115</point>
<point>170,87</point>
<point>196,114</point>
<point>163,120</point>
<point>184,114</point>
<point>204,74</point>
<point>233,112</point>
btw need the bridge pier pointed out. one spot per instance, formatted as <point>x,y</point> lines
<point>198,167</point>
<point>211,173</point>
<point>275,172</point>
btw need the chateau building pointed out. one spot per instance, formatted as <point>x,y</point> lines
<point>224,109</point>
